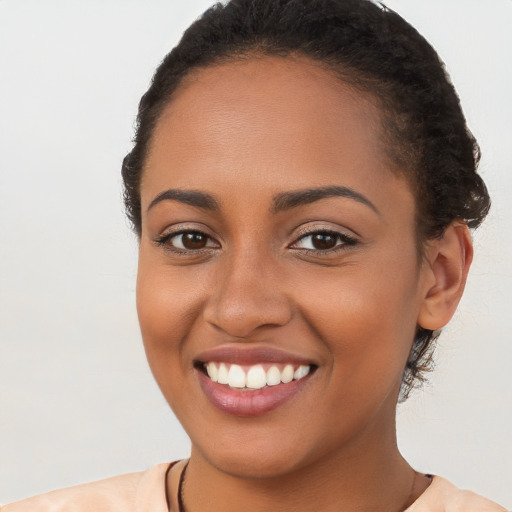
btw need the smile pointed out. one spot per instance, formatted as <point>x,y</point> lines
<point>256,376</point>
<point>251,382</point>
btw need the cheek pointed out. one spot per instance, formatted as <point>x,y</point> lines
<point>167,298</point>
<point>366,316</point>
<point>167,303</point>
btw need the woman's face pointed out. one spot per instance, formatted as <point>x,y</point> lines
<point>274,234</point>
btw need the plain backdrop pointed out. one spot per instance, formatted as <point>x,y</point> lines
<point>77,400</point>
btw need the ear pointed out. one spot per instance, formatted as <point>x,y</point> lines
<point>446,267</point>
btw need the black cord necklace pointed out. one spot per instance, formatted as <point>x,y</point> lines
<point>181,505</point>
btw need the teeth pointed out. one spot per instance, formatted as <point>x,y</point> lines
<point>256,377</point>
<point>287,375</point>
<point>273,376</point>
<point>300,372</point>
<point>236,376</point>
<point>212,371</point>
<point>222,376</point>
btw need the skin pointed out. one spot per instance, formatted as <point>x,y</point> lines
<point>244,132</point>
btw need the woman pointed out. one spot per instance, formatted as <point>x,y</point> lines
<point>302,184</point>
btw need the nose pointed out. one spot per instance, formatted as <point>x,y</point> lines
<point>248,297</point>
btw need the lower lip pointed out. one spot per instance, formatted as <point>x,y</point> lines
<point>249,403</point>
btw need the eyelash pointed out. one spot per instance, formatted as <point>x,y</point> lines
<point>342,241</point>
<point>163,241</point>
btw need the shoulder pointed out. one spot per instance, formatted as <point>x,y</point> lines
<point>117,494</point>
<point>443,496</point>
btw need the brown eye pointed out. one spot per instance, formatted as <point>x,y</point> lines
<point>324,241</point>
<point>193,240</point>
<point>187,241</point>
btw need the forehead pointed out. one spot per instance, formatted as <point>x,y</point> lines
<point>273,122</point>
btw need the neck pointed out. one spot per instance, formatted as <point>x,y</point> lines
<point>366,475</point>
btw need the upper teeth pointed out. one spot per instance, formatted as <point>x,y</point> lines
<point>254,377</point>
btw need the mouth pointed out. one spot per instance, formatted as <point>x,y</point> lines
<point>251,382</point>
<point>254,377</point>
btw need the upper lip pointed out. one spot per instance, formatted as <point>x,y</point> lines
<point>251,356</point>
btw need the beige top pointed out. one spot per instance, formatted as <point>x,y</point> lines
<point>145,492</point>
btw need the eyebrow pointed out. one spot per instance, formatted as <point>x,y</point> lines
<point>190,197</point>
<point>281,202</point>
<point>293,199</point>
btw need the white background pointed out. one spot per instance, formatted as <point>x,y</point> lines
<point>77,401</point>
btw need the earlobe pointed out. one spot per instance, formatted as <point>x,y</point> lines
<point>448,259</point>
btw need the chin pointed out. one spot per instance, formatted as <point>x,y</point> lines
<point>264,450</point>
<point>253,464</point>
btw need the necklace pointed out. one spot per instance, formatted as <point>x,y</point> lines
<point>181,504</point>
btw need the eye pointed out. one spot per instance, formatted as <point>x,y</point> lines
<point>184,241</point>
<point>323,241</point>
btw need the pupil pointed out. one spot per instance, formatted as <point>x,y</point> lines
<point>324,241</point>
<point>194,240</point>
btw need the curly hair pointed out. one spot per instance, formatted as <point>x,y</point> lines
<point>374,50</point>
